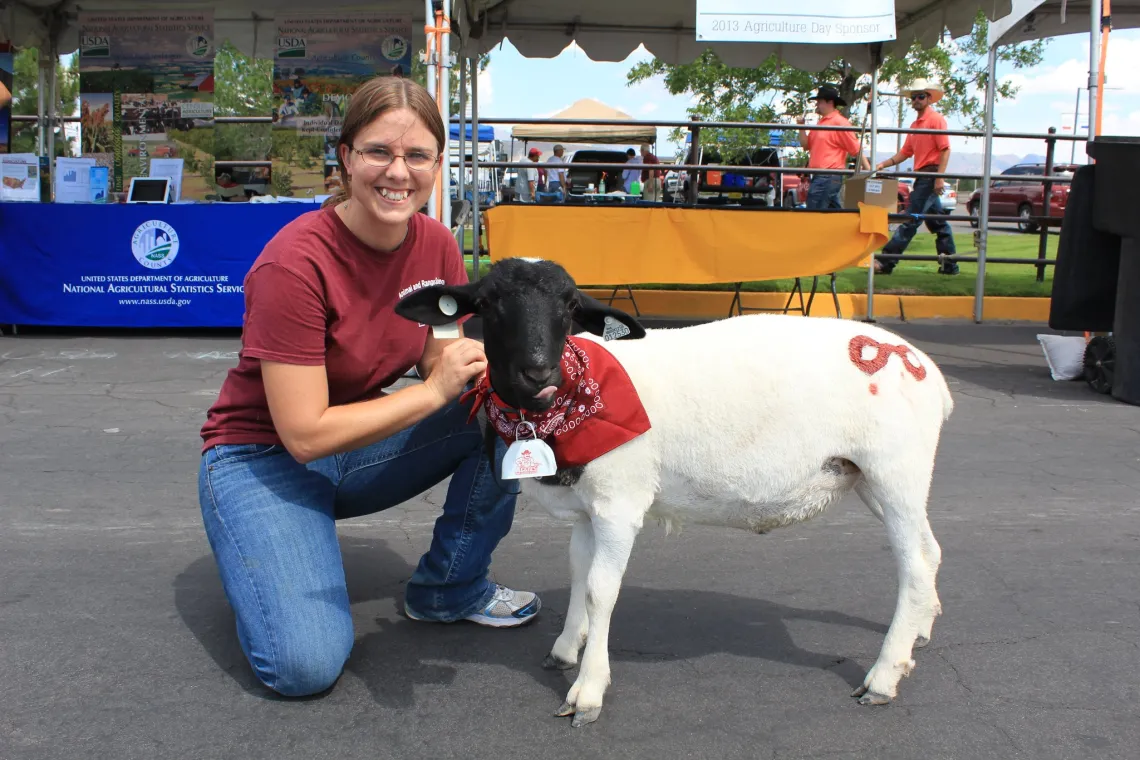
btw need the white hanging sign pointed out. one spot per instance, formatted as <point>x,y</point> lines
<point>805,21</point>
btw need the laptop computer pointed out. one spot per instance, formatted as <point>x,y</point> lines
<point>149,190</point>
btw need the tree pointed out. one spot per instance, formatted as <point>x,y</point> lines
<point>243,86</point>
<point>724,93</point>
<point>25,99</point>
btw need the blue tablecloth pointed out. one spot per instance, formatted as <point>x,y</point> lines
<point>131,265</point>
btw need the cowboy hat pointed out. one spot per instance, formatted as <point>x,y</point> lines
<point>925,85</point>
<point>827,92</point>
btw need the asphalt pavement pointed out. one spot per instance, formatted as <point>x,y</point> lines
<point>118,642</point>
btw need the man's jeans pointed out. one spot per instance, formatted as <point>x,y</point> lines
<point>271,524</point>
<point>923,200</point>
<point>824,192</point>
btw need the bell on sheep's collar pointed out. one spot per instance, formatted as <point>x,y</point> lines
<point>596,410</point>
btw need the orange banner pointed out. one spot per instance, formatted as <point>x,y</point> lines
<point>601,245</point>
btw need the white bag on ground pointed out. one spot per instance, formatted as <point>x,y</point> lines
<point>1065,355</point>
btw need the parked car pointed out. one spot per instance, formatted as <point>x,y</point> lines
<point>580,179</point>
<point>1024,199</point>
<point>949,197</point>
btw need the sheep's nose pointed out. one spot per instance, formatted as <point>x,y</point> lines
<point>539,375</point>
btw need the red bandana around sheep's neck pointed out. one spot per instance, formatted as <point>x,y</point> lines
<point>595,410</point>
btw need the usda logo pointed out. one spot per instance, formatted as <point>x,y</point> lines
<point>199,46</point>
<point>290,47</point>
<point>155,244</point>
<point>394,48</point>
<point>94,46</point>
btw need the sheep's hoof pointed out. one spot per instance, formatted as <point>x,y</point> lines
<point>868,697</point>
<point>557,663</point>
<point>921,642</point>
<point>566,709</point>
<point>586,717</point>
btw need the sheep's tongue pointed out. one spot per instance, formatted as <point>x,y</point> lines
<point>546,393</point>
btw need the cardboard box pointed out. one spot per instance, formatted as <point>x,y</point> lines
<point>874,191</point>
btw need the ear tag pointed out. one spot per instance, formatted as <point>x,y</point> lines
<point>614,329</point>
<point>528,457</point>
<point>448,306</point>
<point>444,332</point>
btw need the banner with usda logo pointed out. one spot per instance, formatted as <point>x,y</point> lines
<point>146,90</point>
<point>320,59</point>
<point>132,265</point>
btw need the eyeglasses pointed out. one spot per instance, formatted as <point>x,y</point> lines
<point>417,161</point>
<point>919,96</point>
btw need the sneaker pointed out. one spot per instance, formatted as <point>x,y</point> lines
<point>506,609</point>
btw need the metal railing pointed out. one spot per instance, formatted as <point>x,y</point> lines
<point>1045,221</point>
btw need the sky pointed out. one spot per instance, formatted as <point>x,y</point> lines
<point>517,87</point>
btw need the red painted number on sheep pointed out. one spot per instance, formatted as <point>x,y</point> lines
<point>883,352</point>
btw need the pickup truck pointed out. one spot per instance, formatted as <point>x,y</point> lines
<point>1024,199</point>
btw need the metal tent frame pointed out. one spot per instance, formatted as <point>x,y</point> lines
<point>1038,19</point>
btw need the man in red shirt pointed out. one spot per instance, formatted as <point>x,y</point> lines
<point>828,149</point>
<point>650,179</point>
<point>931,153</point>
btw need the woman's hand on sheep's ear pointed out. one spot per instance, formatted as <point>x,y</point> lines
<point>459,363</point>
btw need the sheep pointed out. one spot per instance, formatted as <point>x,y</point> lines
<point>721,441</point>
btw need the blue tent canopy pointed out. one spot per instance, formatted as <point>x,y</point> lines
<point>486,132</point>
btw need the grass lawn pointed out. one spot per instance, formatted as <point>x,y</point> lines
<point>918,277</point>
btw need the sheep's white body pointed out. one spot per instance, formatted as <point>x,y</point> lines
<point>758,422</point>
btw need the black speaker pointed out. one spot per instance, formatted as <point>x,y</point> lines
<point>1088,264</point>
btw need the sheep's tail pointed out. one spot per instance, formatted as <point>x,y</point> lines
<point>947,401</point>
<point>935,373</point>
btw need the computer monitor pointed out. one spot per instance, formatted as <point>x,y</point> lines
<point>149,190</point>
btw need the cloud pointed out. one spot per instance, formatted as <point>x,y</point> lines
<point>1068,76</point>
<point>648,108</point>
<point>486,89</point>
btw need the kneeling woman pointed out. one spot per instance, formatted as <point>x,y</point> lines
<point>303,434</point>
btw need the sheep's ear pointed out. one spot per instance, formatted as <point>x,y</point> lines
<point>438,305</point>
<point>599,319</point>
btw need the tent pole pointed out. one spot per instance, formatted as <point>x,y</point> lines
<point>462,120</point>
<point>987,171</point>
<point>41,109</point>
<point>444,87</point>
<point>53,102</point>
<point>430,57</point>
<point>872,110</point>
<point>476,233</point>
<point>1105,31</point>
<point>1094,65</point>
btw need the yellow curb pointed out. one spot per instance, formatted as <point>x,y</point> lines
<point>703,304</point>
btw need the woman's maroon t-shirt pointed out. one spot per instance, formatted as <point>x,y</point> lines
<point>317,295</point>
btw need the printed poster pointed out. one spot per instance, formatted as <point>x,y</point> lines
<point>146,83</point>
<point>320,59</point>
<point>20,174</point>
<point>7,67</point>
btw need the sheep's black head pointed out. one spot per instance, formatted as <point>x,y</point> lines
<point>528,308</point>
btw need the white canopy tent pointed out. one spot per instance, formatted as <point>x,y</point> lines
<point>611,31</point>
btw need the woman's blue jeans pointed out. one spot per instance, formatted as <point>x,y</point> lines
<point>271,524</point>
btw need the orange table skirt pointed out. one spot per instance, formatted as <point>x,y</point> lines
<point>614,245</point>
